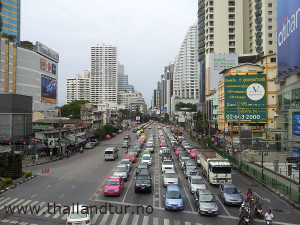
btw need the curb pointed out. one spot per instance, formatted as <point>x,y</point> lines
<point>53,160</point>
<point>17,184</point>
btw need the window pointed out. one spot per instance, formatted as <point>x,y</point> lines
<point>270,42</point>
<point>231,30</point>
<point>211,23</point>
<point>211,16</point>
<point>270,20</point>
<point>270,52</point>
<point>211,30</point>
<point>231,23</point>
<point>211,3</point>
<point>269,12</point>
<point>269,27</point>
<point>270,5</point>
<point>270,35</point>
<point>273,59</point>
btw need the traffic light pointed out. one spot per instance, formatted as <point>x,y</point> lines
<point>10,143</point>
<point>24,143</point>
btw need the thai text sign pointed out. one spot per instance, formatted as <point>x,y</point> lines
<point>250,92</point>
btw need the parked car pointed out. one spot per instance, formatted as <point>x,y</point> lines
<point>95,141</point>
<point>143,182</point>
<point>195,183</point>
<point>114,186</point>
<point>173,198</point>
<point>107,137</point>
<point>170,177</point>
<point>205,202</point>
<point>89,145</point>
<point>127,162</point>
<point>120,132</point>
<point>131,156</point>
<point>121,171</point>
<point>77,217</point>
<point>230,195</point>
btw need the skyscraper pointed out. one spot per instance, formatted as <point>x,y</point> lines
<point>123,80</point>
<point>104,69</point>
<point>78,88</point>
<point>10,11</point>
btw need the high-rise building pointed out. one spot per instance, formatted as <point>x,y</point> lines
<point>123,80</point>
<point>125,96</point>
<point>169,72</point>
<point>10,11</point>
<point>104,71</point>
<point>78,88</point>
<point>186,70</point>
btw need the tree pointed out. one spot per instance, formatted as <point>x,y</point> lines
<point>201,123</point>
<point>72,110</point>
<point>166,118</point>
<point>27,44</point>
<point>106,129</point>
<point>192,107</point>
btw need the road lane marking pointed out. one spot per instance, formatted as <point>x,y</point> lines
<point>265,199</point>
<point>155,221</point>
<point>95,217</point>
<point>62,196</point>
<point>57,214</point>
<point>43,210</point>
<point>73,186</point>
<point>166,221</point>
<point>187,223</point>
<point>176,222</point>
<point>8,203</point>
<point>114,219</point>
<point>5,200</point>
<point>145,220</point>
<point>135,220</point>
<point>33,195</point>
<point>104,219</point>
<point>125,219</point>
<point>49,186</point>
<point>61,178</point>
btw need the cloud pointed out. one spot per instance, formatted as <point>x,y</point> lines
<point>147,34</point>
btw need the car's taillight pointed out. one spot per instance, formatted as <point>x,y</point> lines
<point>87,221</point>
<point>69,223</point>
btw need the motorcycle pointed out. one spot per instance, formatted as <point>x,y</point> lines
<point>269,222</point>
<point>246,220</point>
<point>258,212</point>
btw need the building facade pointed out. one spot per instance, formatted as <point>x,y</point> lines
<point>125,96</point>
<point>30,73</point>
<point>78,88</point>
<point>104,72</point>
<point>123,80</point>
<point>138,104</point>
<point>10,14</point>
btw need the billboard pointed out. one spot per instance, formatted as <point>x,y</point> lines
<point>53,68</point>
<point>49,66</point>
<point>288,35</point>
<point>49,86</point>
<point>157,112</point>
<point>296,127</point>
<point>137,118</point>
<point>219,62</point>
<point>47,52</point>
<point>43,64</point>
<point>250,91</point>
<point>163,111</point>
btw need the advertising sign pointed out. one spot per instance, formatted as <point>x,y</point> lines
<point>49,66</point>
<point>157,112</point>
<point>219,62</point>
<point>49,86</point>
<point>288,35</point>
<point>296,129</point>
<point>137,118</point>
<point>53,68</point>
<point>163,111</point>
<point>250,91</point>
<point>43,64</point>
<point>47,52</point>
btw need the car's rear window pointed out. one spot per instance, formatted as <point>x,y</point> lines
<point>109,152</point>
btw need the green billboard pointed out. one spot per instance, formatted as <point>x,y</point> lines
<point>250,91</point>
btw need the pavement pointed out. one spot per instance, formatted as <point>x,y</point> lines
<point>81,178</point>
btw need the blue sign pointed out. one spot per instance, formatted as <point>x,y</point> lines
<point>288,36</point>
<point>296,124</point>
<point>53,68</point>
<point>296,152</point>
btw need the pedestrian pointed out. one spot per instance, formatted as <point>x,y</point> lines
<point>284,147</point>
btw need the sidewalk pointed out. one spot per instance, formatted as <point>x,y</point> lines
<point>40,161</point>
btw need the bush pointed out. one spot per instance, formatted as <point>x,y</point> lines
<point>27,174</point>
<point>207,141</point>
<point>6,181</point>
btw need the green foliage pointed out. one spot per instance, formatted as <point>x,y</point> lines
<point>6,180</point>
<point>192,107</point>
<point>27,45</point>
<point>207,141</point>
<point>166,118</point>
<point>10,165</point>
<point>201,123</point>
<point>72,110</point>
<point>106,129</point>
<point>11,38</point>
<point>27,174</point>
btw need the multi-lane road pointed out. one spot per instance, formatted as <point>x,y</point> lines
<point>80,179</point>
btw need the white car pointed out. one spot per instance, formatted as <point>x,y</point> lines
<point>195,183</point>
<point>167,165</point>
<point>77,217</point>
<point>146,159</point>
<point>170,177</point>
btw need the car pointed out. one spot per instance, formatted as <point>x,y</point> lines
<point>120,131</point>
<point>76,215</point>
<point>134,130</point>
<point>173,198</point>
<point>95,141</point>
<point>114,186</point>
<point>170,177</point>
<point>205,202</point>
<point>89,145</point>
<point>131,156</point>
<point>135,151</point>
<point>146,159</point>
<point>127,137</point>
<point>111,153</point>
<point>167,165</point>
<point>107,137</point>
<point>143,182</point>
<point>125,144</point>
<point>230,195</point>
<point>190,168</point>
<point>137,146</point>
<point>193,153</point>
<point>182,154</point>
<point>126,162</point>
<point>177,151</point>
<point>182,160</point>
<point>141,166</point>
<point>150,148</point>
<point>146,152</point>
<point>121,171</point>
<point>195,183</point>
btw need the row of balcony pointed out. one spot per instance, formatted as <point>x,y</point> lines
<point>257,1</point>
<point>258,5</point>
<point>201,32</point>
<point>258,13</point>
<point>258,20</point>
<point>258,27</point>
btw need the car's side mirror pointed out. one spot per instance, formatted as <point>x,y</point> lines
<point>105,183</point>
<point>164,196</point>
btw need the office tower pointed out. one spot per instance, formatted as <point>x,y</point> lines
<point>78,88</point>
<point>10,18</point>
<point>123,80</point>
<point>104,67</point>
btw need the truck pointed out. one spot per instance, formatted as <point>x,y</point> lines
<point>214,167</point>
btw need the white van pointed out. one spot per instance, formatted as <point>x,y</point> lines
<point>111,153</point>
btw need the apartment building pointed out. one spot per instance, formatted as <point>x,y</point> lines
<point>78,88</point>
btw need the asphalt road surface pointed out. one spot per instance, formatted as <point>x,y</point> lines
<point>80,179</point>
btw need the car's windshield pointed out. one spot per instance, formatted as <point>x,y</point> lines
<point>112,182</point>
<point>231,191</point>
<point>77,215</point>
<point>221,169</point>
<point>143,177</point>
<point>121,169</point>
<point>207,198</point>
<point>170,175</point>
<point>173,194</point>
<point>146,157</point>
<point>197,181</point>
<point>167,163</point>
<point>142,166</point>
<point>191,167</point>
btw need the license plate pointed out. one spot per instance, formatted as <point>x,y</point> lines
<point>174,207</point>
<point>143,188</point>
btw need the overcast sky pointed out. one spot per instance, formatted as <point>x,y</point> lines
<point>147,33</point>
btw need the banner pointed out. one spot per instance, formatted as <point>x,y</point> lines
<point>49,86</point>
<point>250,91</point>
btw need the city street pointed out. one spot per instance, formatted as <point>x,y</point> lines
<point>80,179</point>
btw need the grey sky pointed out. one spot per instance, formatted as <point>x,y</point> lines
<point>147,34</point>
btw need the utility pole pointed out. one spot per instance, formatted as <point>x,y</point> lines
<point>59,114</point>
<point>262,162</point>
<point>240,140</point>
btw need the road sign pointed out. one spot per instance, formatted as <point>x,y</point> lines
<point>290,169</point>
